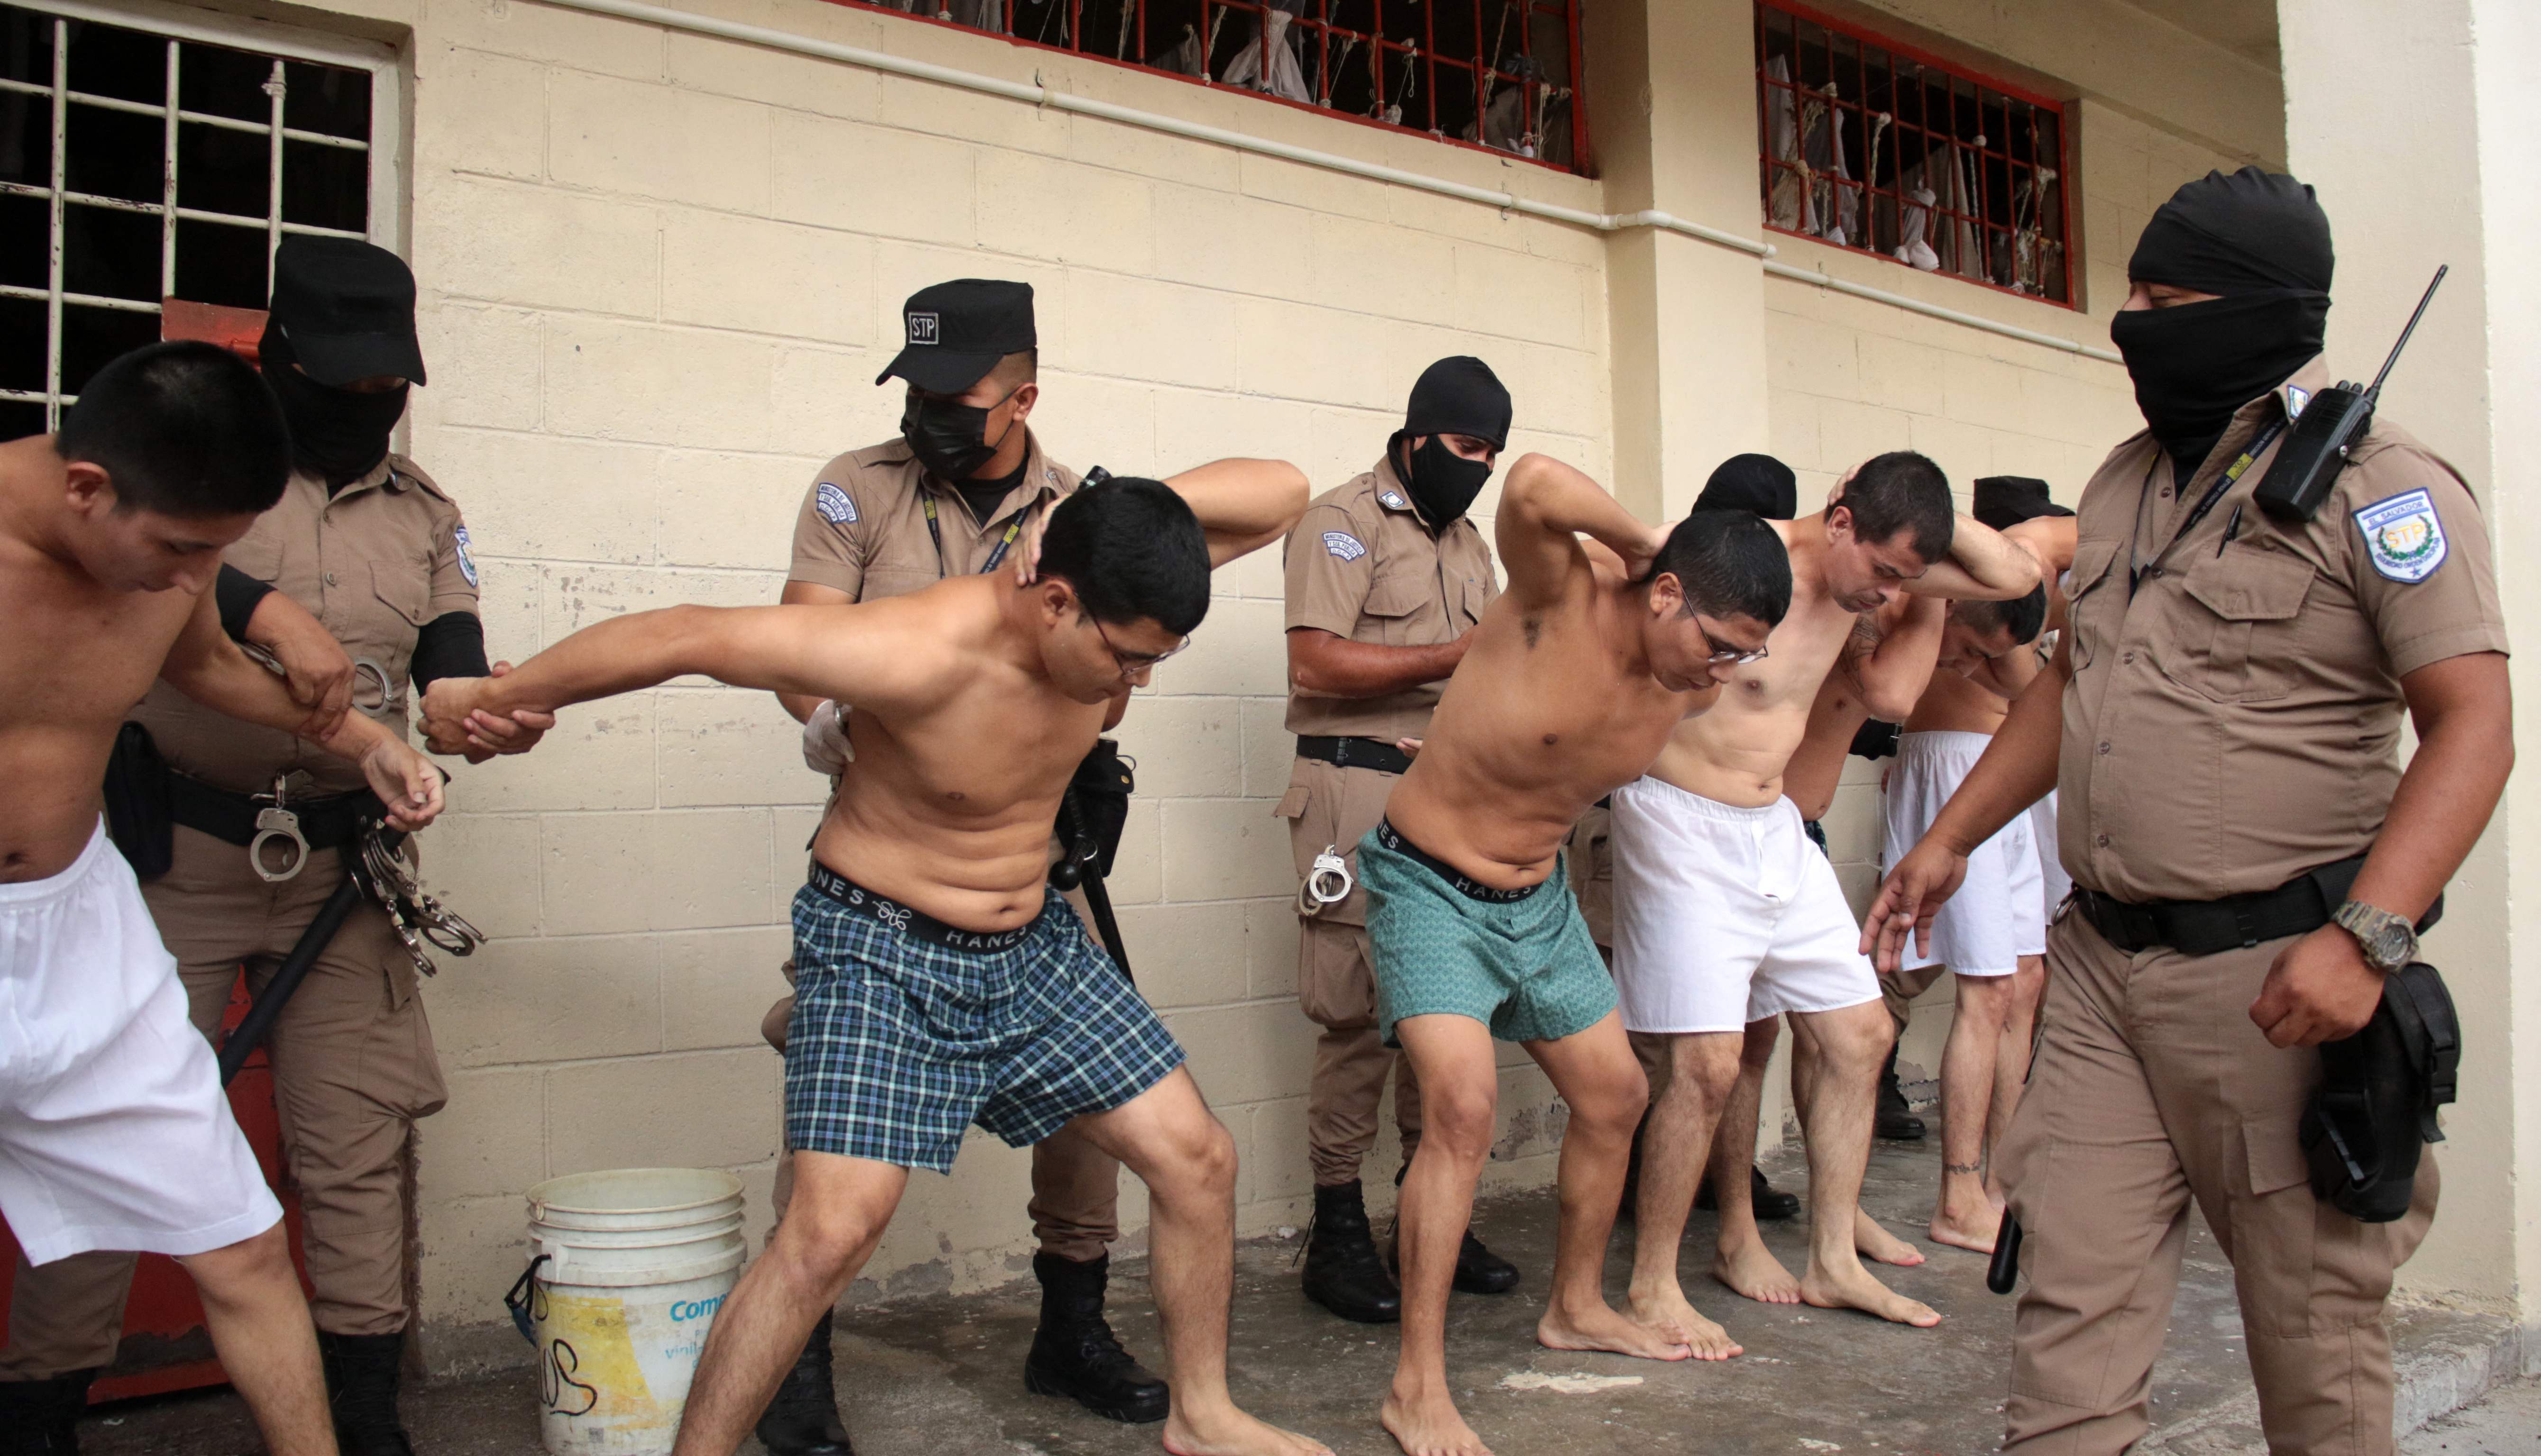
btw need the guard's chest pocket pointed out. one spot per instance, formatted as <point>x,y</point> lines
<point>2094,610</point>
<point>2234,624</point>
<point>1394,603</point>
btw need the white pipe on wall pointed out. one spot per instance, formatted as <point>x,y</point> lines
<point>1035,94</point>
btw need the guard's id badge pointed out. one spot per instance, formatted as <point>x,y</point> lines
<point>2403,536</point>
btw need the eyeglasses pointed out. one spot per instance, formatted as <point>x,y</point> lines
<point>1131,662</point>
<point>1729,654</point>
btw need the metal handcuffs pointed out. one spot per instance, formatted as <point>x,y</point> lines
<point>277,823</point>
<point>417,917</point>
<point>1329,870</point>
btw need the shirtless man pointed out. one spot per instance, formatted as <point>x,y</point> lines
<point>1992,936</point>
<point>1725,914</point>
<point>940,981</point>
<point>1576,674</point>
<point>114,1133</point>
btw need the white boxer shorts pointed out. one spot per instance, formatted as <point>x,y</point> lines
<point>1725,916</point>
<point>2050,860</point>
<point>114,1129</point>
<point>1999,912</point>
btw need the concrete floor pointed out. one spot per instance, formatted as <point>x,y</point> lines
<point>941,1376</point>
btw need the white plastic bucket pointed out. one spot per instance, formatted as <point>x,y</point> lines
<point>627,1270</point>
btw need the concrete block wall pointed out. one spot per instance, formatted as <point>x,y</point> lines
<point>660,274</point>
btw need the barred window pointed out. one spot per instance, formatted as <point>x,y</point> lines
<point>1873,146</point>
<point>1502,74</point>
<point>142,161</point>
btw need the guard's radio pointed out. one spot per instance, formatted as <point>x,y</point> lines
<point>2307,470</point>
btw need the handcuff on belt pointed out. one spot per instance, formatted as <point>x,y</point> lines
<point>417,917</point>
<point>1330,869</point>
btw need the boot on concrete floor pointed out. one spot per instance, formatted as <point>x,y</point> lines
<point>801,1417</point>
<point>1342,1271</point>
<point>1771,1204</point>
<point>1074,1353</point>
<point>1478,1271</point>
<point>362,1391</point>
<point>1895,1120</point>
<point>40,1417</point>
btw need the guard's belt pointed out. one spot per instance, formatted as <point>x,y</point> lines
<point>326,821</point>
<point>2206,927</point>
<point>1354,753</point>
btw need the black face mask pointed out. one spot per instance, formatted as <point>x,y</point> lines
<point>1442,482</point>
<point>949,438</point>
<point>337,435</point>
<point>2195,364</point>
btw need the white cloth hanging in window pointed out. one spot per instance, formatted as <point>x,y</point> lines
<point>1284,78</point>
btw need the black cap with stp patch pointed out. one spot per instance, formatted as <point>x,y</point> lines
<point>956,332</point>
<point>2004,502</point>
<point>347,309</point>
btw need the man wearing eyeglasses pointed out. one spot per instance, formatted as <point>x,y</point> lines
<point>1728,916</point>
<point>955,494</point>
<point>1387,576</point>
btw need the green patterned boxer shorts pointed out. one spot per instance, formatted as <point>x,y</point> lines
<point>1518,961</point>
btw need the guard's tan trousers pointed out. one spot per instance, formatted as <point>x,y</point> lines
<point>2151,1087</point>
<point>1899,988</point>
<point>353,1067</point>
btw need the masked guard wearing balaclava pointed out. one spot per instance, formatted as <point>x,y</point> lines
<point>951,494</point>
<point>2221,724</point>
<point>378,555</point>
<point>1387,576</point>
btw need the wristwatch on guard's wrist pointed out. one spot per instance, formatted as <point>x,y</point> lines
<point>2389,941</point>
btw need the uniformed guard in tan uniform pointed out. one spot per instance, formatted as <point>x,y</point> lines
<point>379,554</point>
<point>955,495</point>
<point>1387,576</point>
<point>2246,852</point>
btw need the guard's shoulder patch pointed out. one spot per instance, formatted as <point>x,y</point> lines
<point>1393,500</point>
<point>2403,536</point>
<point>1344,546</point>
<point>833,504</point>
<point>467,562</point>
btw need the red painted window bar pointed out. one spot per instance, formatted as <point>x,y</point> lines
<point>1498,74</point>
<point>1877,147</point>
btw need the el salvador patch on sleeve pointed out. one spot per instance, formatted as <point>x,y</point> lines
<point>467,562</point>
<point>2403,536</point>
<point>834,505</point>
<point>1344,546</point>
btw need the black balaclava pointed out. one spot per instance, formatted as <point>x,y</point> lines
<point>1757,483</point>
<point>2260,241</point>
<point>949,438</point>
<point>337,435</point>
<point>1457,396</point>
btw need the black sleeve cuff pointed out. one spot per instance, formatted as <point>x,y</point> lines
<point>237,593</point>
<point>1875,740</point>
<point>451,645</point>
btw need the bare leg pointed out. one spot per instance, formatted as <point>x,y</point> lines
<point>838,1211</point>
<point>1837,1074</point>
<point>1700,1069</point>
<point>1459,1102</point>
<point>2012,1063</point>
<point>1167,1135</point>
<point>1743,1263</point>
<point>1594,1071</point>
<point>1965,1218</point>
<point>260,1330</point>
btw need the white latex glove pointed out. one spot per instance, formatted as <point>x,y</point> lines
<point>826,749</point>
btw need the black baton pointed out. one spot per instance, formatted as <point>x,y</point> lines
<point>268,1009</point>
<point>2002,1272</point>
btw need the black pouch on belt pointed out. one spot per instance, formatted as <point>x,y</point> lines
<point>137,815</point>
<point>1094,812</point>
<point>2378,1093</point>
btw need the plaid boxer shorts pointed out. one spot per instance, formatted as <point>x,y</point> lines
<point>906,1030</point>
<point>1521,962</point>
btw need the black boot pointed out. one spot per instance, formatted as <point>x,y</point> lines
<point>1075,1354</point>
<point>1478,1271</point>
<point>40,1417</point>
<point>1895,1120</point>
<point>1771,1204</point>
<point>801,1417</point>
<point>362,1391</point>
<point>1342,1273</point>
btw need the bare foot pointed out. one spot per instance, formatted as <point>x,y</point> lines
<point>1974,1230</point>
<point>1854,1288</point>
<point>1429,1427</point>
<point>1601,1327</point>
<point>1231,1432</point>
<point>1668,1310</point>
<point>1873,1242</point>
<point>1751,1270</point>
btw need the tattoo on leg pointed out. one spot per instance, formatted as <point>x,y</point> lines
<point>1533,629</point>
<point>1970,1168</point>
